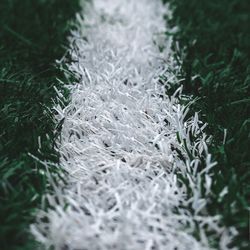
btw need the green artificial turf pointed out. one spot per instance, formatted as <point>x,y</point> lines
<point>32,35</point>
<point>215,37</point>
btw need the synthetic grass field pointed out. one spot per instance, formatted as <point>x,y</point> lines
<point>32,36</point>
<point>214,43</point>
<point>216,68</point>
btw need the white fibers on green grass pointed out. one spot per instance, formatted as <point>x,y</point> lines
<point>132,183</point>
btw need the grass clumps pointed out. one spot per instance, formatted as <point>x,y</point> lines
<point>32,36</point>
<point>216,69</point>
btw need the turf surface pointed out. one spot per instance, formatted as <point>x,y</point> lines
<point>32,36</point>
<point>216,38</point>
<point>216,35</point>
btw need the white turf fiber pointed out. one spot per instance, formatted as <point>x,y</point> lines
<point>128,187</point>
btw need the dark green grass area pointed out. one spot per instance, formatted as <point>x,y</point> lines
<point>32,35</point>
<point>216,35</point>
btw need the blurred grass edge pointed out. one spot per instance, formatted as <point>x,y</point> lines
<point>33,34</point>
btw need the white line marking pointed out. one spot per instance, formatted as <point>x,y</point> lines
<point>127,186</point>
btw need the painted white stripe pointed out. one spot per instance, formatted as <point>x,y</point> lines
<point>127,187</point>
